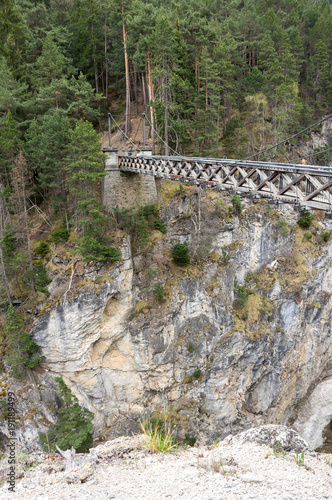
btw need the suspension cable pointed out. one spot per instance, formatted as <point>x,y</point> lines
<point>136,147</point>
<point>309,156</point>
<point>289,138</point>
<point>160,137</point>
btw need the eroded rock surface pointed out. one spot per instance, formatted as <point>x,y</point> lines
<point>215,366</point>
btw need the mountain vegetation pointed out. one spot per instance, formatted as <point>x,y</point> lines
<point>218,78</point>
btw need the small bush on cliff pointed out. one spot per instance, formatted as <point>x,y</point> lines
<point>60,234</point>
<point>324,236</point>
<point>159,293</point>
<point>41,278</point>
<point>305,219</point>
<point>74,426</point>
<point>180,254</point>
<point>236,200</point>
<point>140,223</point>
<point>43,248</point>
<point>92,249</point>
<point>242,294</point>
<point>283,227</point>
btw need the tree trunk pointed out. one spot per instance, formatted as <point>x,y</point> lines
<point>26,220</point>
<point>218,125</point>
<point>102,77</point>
<point>135,89</point>
<point>151,95</point>
<point>166,117</point>
<point>96,75</point>
<point>124,29</point>
<point>106,63</point>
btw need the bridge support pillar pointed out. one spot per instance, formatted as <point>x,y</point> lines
<point>125,190</point>
<point>110,187</point>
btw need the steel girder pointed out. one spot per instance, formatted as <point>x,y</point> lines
<point>307,185</point>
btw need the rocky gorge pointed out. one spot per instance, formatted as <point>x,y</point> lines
<point>238,338</point>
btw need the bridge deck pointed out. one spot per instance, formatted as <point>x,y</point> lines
<point>307,185</point>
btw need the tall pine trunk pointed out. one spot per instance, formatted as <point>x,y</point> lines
<point>151,96</point>
<point>124,29</point>
<point>106,62</point>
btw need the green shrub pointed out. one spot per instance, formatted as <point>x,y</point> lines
<point>140,223</point>
<point>41,278</point>
<point>160,225</point>
<point>190,347</point>
<point>236,200</point>
<point>307,235</point>
<point>60,234</point>
<point>43,248</point>
<point>245,315</point>
<point>9,242</point>
<point>159,292</point>
<point>92,249</point>
<point>324,236</point>
<point>305,219</point>
<point>225,256</point>
<point>149,210</point>
<point>126,218</point>
<point>20,348</point>
<point>197,373</point>
<point>74,426</point>
<point>151,272</point>
<point>180,254</point>
<point>283,227</point>
<point>190,440</point>
<point>242,294</point>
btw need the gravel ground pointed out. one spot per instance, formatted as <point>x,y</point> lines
<point>121,469</point>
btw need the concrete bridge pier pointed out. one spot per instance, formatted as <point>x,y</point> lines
<point>126,189</point>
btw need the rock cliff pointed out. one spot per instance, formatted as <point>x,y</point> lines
<point>238,338</point>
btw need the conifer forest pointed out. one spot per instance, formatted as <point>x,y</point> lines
<point>219,78</point>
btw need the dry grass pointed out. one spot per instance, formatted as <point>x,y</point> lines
<point>158,437</point>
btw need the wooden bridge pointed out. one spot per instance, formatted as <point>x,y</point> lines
<point>305,185</point>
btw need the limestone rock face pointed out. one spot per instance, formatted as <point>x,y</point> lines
<point>315,414</point>
<point>30,410</point>
<point>215,365</point>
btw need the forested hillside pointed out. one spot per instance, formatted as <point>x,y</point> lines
<point>219,78</point>
<point>232,74</point>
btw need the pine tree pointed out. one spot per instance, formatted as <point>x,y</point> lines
<point>12,92</point>
<point>82,99</point>
<point>74,426</point>
<point>21,349</point>
<point>9,146</point>
<point>21,189</point>
<point>51,63</point>
<point>84,168</point>
<point>323,81</point>
<point>46,148</point>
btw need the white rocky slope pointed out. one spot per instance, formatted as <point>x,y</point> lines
<point>237,468</point>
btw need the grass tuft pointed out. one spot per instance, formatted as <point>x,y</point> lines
<point>158,436</point>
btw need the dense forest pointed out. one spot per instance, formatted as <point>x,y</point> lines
<point>214,77</point>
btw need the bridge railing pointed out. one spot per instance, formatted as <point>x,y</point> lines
<point>306,185</point>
